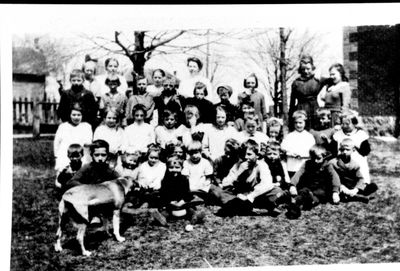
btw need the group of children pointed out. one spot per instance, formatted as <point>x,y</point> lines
<point>192,152</point>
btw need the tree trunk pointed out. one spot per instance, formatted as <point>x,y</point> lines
<point>139,59</point>
<point>283,69</point>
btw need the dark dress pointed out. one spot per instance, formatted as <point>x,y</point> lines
<point>206,109</point>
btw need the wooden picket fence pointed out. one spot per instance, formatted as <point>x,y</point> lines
<point>29,113</point>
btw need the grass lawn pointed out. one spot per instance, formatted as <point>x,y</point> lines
<point>347,233</point>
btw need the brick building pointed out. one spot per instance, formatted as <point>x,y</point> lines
<point>372,61</point>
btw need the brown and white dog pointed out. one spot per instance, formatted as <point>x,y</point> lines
<point>81,203</point>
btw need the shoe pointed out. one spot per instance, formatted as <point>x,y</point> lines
<point>293,212</point>
<point>369,189</point>
<point>157,216</point>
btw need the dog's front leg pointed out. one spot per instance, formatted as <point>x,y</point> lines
<point>80,236</point>
<point>116,221</point>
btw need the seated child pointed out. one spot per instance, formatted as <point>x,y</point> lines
<point>98,170</point>
<point>274,129</point>
<point>315,182</point>
<point>298,143</point>
<point>249,184</point>
<point>353,185</point>
<point>246,108</point>
<point>130,160</point>
<point>148,178</point>
<point>175,196</point>
<point>224,163</point>
<point>176,149</point>
<point>250,131</point>
<point>280,176</point>
<point>324,131</point>
<point>191,126</point>
<point>225,92</point>
<point>75,154</point>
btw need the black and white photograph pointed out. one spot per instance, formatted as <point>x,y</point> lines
<point>150,137</point>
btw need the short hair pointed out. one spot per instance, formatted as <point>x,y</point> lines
<point>76,106</point>
<point>97,144</point>
<point>252,118</point>
<point>158,70</point>
<point>194,146</point>
<point>131,150</point>
<point>112,109</point>
<point>166,113</point>
<point>77,73</point>
<point>318,149</point>
<point>200,85</point>
<point>350,115</point>
<point>174,160</point>
<point>153,147</point>
<point>273,122</point>
<point>322,112</point>
<point>339,67</point>
<point>116,81</point>
<point>250,75</point>
<point>170,79</point>
<point>108,60</point>
<point>75,149</point>
<point>251,145</point>
<point>138,107</point>
<point>299,114</point>
<point>90,62</point>
<point>192,109</point>
<point>348,141</point>
<point>196,60</point>
<point>170,148</point>
<point>273,146</point>
<point>246,101</point>
<point>232,144</point>
<point>225,89</point>
<point>141,77</point>
<point>306,59</point>
<point>220,109</point>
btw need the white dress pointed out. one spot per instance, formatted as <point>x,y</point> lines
<point>164,135</point>
<point>68,134</point>
<point>113,137</point>
<point>138,136</point>
<point>215,139</point>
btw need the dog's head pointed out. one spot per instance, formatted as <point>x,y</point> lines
<point>126,182</point>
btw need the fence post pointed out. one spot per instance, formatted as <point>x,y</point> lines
<point>36,119</point>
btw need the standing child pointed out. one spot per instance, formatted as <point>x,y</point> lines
<point>112,98</point>
<point>75,154</point>
<point>250,131</point>
<point>158,76</point>
<point>218,133</point>
<point>206,108</point>
<point>298,143</point>
<point>246,108</point>
<point>353,185</point>
<point>175,195</point>
<point>72,132</point>
<point>225,92</point>
<point>167,133</point>
<point>251,83</point>
<point>111,132</point>
<point>315,182</point>
<point>141,97</point>
<point>139,134</point>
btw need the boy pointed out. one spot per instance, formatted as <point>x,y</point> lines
<point>140,97</point>
<point>250,131</point>
<point>272,157</point>
<point>129,162</point>
<point>75,154</point>
<point>78,94</point>
<point>225,92</point>
<point>323,132</point>
<point>224,163</point>
<point>113,98</point>
<point>353,185</point>
<point>249,184</point>
<point>315,182</point>
<point>98,170</point>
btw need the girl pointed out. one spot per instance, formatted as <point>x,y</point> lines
<point>113,98</point>
<point>251,83</point>
<point>158,76</point>
<point>274,129</point>
<point>351,128</point>
<point>177,149</point>
<point>225,92</point>
<point>111,65</point>
<point>336,95</point>
<point>139,134</point>
<point>305,90</point>
<point>186,86</point>
<point>250,132</point>
<point>111,132</point>
<point>206,108</point>
<point>167,133</point>
<point>218,133</point>
<point>246,107</point>
<point>72,132</point>
<point>298,143</point>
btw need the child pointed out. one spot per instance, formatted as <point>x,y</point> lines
<point>353,185</point>
<point>113,98</point>
<point>246,109</point>
<point>274,129</point>
<point>98,170</point>
<point>297,144</point>
<point>141,97</point>
<point>251,83</point>
<point>278,168</point>
<point>351,129</point>
<point>251,132</point>
<point>158,76</point>
<point>224,163</point>
<point>78,94</point>
<point>129,162</point>
<point>305,90</point>
<point>139,134</point>
<point>315,182</point>
<point>73,131</point>
<point>111,64</point>
<point>225,92</point>
<point>175,195</point>
<point>198,170</point>
<point>206,108</point>
<point>75,154</point>
<point>167,133</point>
<point>249,184</point>
<point>111,132</point>
<point>323,132</point>
<point>191,126</point>
<point>148,177</point>
<point>218,133</point>
<point>177,149</point>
